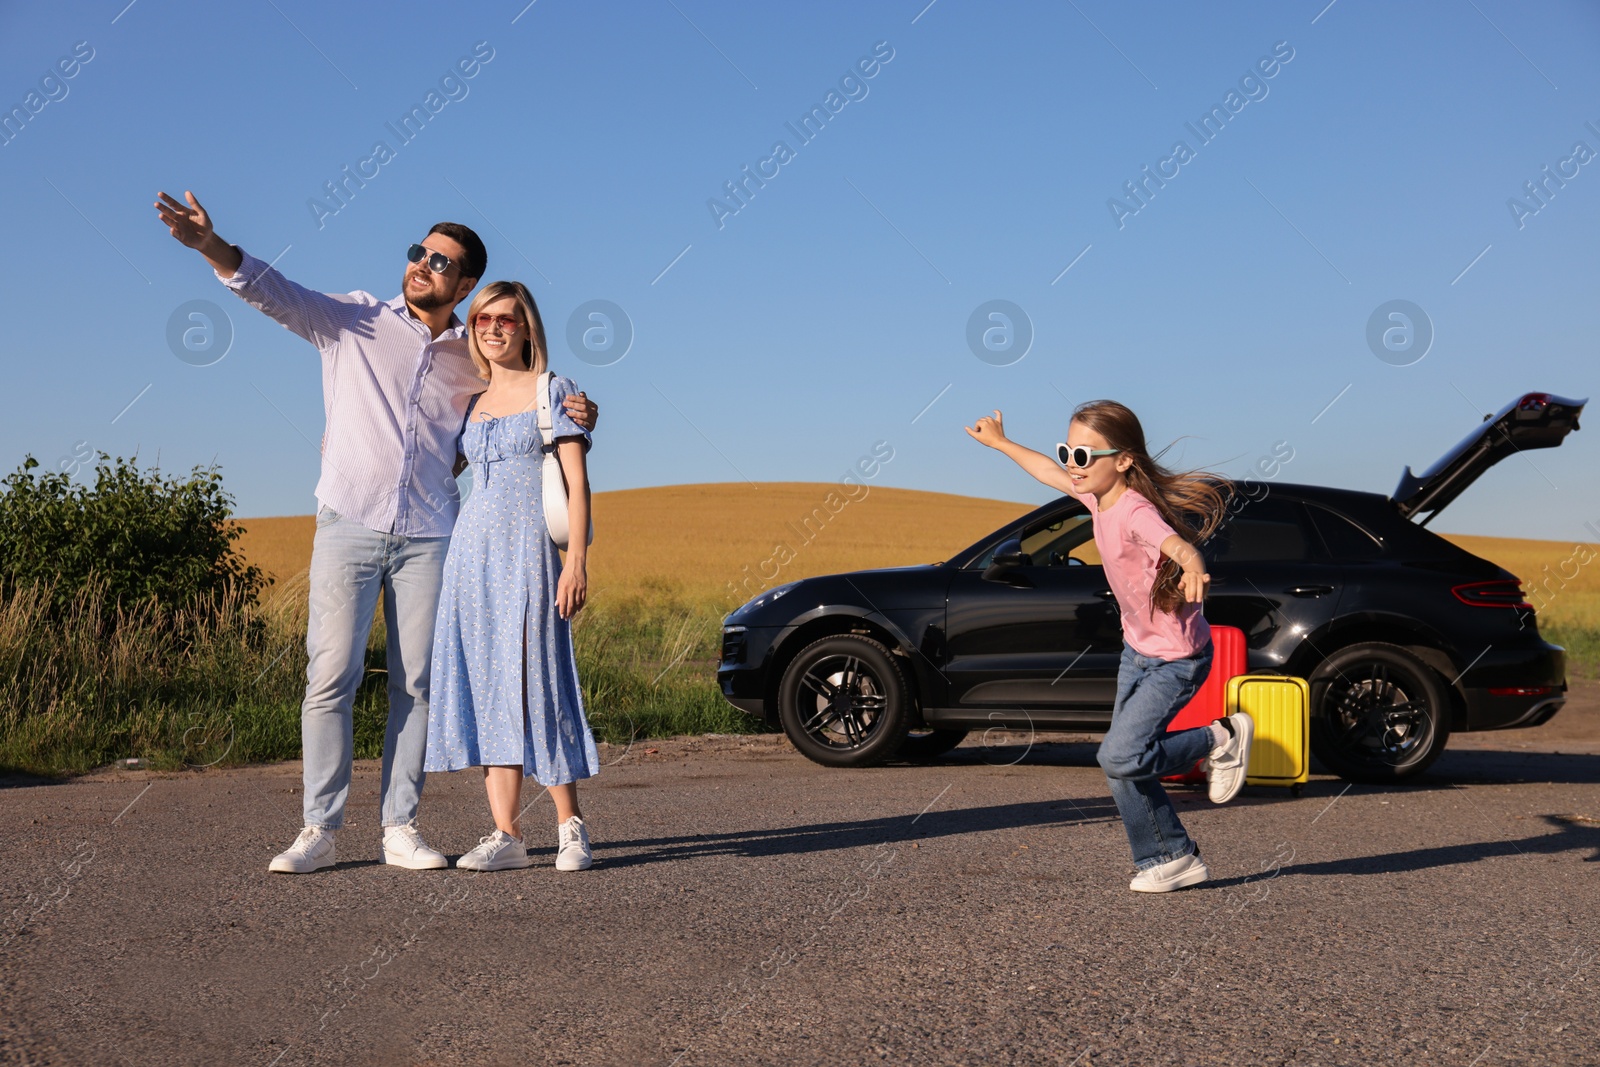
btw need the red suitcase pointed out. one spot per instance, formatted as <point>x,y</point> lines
<point>1211,703</point>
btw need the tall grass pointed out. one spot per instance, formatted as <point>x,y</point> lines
<point>648,664</point>
<point>221,682</point>
<point>1582,645</point>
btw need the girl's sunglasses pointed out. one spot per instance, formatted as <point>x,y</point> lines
<point>1082,455</point>
<point>438,262</point>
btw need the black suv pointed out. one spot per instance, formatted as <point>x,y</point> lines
<point>1403,636</point>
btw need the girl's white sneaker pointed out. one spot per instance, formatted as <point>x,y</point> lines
<point>573,852</point>
<point>498,851</point>
<point>1229,761</point>
<point>1186,870</point>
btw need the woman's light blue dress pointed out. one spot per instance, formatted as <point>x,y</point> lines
<point>504,683</point>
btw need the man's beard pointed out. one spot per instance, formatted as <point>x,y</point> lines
<point>431,301</point>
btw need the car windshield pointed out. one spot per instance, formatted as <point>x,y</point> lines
<point>1053,543</point>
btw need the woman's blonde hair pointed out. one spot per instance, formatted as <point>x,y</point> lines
<point>534,354</point>
<point>1193,503</point>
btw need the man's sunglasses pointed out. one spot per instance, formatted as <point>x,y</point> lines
<point>1081,455</point>
<point>438,262</point>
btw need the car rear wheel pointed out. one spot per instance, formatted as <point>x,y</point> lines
<point>1378,713</point>
<point>843,702</point>
<point>930,744</point>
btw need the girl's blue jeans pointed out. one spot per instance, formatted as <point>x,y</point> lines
<point>1138,751</point>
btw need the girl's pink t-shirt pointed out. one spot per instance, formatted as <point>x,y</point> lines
<point>1129,535</point>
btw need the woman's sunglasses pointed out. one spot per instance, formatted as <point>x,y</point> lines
<point>484,323</point>
<point>438,262</point>
<point>1081,455</point>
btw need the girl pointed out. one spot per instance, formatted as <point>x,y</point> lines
<point>1159,580</point>
<point>505,684</point>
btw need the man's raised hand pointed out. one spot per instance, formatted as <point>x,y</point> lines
<point>189,224</point>
<point>191,227</point>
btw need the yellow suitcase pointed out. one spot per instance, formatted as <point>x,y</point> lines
<point>1281,708</point>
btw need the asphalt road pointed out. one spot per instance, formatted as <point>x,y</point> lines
<point>748,906</point>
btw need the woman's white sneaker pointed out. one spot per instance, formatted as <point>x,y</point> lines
<point>1184,871</point>
<point>497,852</point>
<point>573,852</point>
<point>311,851</point>
<point>404,847</point>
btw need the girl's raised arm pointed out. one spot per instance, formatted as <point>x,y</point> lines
<point>992,432</point>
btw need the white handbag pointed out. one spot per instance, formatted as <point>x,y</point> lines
<point>555,482</point>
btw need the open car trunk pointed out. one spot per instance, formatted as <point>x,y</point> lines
<point>1534,420</point>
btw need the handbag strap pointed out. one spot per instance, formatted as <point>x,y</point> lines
<point>545,424</point>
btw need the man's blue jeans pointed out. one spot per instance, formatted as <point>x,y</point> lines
<point>1137,750</point>
<point>350,567</point>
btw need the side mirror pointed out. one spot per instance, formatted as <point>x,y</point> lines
<point>1008,559</point>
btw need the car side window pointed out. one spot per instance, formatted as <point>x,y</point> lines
<point>1269,530</point>
<point>1345,539</point>
<point>1071,537</point>
<point>1064,541</point>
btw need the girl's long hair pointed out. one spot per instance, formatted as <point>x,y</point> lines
<point>1193,503</point>
<point>535,356</point>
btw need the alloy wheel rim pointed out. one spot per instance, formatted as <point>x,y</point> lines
<point>1376,719</point>
<point>841,701</point>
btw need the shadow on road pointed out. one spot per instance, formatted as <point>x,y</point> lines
<point>1467,766</point>
<point>1570,834</point>
<point>824,837</point>
<point>14,778</point>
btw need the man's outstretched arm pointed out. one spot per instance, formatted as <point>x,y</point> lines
<point>315,316</point>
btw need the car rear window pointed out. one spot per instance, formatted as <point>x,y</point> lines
<point>1345,539</point>
<point>1270,530</point>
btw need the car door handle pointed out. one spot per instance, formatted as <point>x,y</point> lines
<point>1309,590</point>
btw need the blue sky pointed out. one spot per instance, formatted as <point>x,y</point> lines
<point>831,311</point>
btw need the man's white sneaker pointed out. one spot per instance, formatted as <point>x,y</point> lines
<point>573,852</point>
<point>1186,870</point>
<point>404,847</point>
<point>497,852</point>
<point>311,851</point>
<point>1228,762</point>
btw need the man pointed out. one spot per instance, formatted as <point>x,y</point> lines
<point>396,378</point>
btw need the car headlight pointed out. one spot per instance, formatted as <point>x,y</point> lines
<point>762,599</point>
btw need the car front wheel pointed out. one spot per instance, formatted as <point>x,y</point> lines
<point>843,702</point>
<point>1378,713</point>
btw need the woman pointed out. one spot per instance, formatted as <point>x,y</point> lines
<point>505,693</point>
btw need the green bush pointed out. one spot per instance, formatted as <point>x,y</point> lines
<point>133,536</point>
<point>220,683</point>
<point>129,626</point>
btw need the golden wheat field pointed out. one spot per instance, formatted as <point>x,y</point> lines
<point>726,541</point>
<point>703,542</point>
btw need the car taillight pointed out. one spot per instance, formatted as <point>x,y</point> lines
<point>1497,594</point>
<point>1534,402</point>
<point>1519,690</point>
